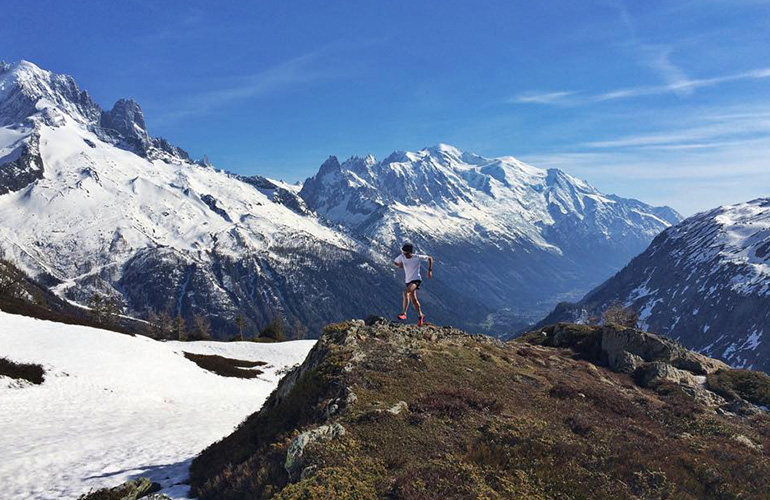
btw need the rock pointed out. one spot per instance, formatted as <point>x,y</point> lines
<point>398,408</point>
<point>375,320</point>
<point>645,346</point>
<point>126,119</point>
<point>293,464</point>
<point>700,364</point>
<point>130,490</point>
<point>625,362</point>
<point>308,472</point>
<point>743,408</point>
<point>660,371</point>
<point>740,438</point>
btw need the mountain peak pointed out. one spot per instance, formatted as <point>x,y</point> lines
<point>23,68</point>
<point>127,119</point>
<point>444,149</point>
<point>26,89</point>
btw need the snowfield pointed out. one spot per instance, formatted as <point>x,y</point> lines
<point>114,407</point>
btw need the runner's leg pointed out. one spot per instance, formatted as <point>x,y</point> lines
<point>415,302</point>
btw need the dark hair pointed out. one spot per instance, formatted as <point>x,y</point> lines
<point>408,248</point>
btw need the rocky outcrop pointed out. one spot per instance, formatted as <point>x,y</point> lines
<point>293,464</point>
<point>290,199</point>
<point>21,167</point>
<point>125,121</point>
<point>133,489</point>
<point>383,410</point>
<point>651,359</point>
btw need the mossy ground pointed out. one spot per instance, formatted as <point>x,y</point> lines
<point>30,372</point>
<point>749,385</point>
<point>226,367</point>
<point>488,420</point>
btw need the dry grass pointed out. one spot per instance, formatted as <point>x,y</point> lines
<point>22,371</point>
<point>226,367</point>
<point>487,420</point>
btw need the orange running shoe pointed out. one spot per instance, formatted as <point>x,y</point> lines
<point>421,321</point>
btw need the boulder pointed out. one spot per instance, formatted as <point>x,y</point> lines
<point>658,372</point>
<point>130,490</point>
<point>644,345</point>
<point>293,464</point>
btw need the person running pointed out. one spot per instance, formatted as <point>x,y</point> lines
<point>410,263</point>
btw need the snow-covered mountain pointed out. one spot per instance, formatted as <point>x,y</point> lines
<point>705,282</point>
<point>93,203</point>
<point>506,231</point>
<point>90,202</point>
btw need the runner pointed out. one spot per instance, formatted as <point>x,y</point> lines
<point>410,263</point>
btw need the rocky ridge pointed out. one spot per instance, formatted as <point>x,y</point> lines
<point>384,410</point>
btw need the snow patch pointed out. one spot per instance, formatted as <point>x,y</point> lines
<point>113,406</point>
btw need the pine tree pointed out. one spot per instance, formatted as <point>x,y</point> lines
<point>165,325</point>
<point>274,330</point>
<point>300,330</point>
<point>96,304</point>
<point>240,323</point>
<point>180,327</point>
<point>202,327</point>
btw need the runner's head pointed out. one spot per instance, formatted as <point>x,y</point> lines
<point>407,248</point>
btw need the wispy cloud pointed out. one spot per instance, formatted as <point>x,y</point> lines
<point>710,130</point>
<point>302,70</point>
<point>677,86</point>
<point>542,97</point>
<point>693,159</point>
<point>656,57</point>
<point>684,86</point>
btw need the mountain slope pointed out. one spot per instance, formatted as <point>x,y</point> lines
<point>397,412</point>
<point>511,233</point>
<point>91,203</point>
<point>116,406</point>
<point>705,282</point>
<point>96,205</point>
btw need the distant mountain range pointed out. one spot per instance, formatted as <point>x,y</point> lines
<point>705,282</point>
<point>519,237</point>
<point>90,203</point>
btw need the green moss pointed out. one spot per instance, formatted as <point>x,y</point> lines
<point>749,385</point>
<point>332,483</point>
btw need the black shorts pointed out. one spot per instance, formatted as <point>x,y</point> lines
<point>416,282</point>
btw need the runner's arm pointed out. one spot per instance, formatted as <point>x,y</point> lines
<point>430,266</point>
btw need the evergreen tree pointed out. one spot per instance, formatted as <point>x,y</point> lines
<point>274,330</point>
<point>300,330</point>
<point>240,323</point>
<point>201,327</point>
<point>180,327</point>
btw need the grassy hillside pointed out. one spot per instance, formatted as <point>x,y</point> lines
<point>396,412</point>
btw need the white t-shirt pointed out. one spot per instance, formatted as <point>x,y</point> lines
<point>411,266</point>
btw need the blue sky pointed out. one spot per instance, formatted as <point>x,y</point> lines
<point>665,101</point>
